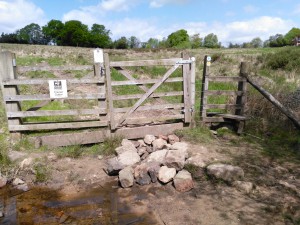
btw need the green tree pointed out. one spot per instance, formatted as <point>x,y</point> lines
<point>99,37</point>
<point>52,31</point>
<point>134,42</point>
<point>277,41</point>
<point>196,41</point>
<point>9,38</point>
<point>256,43</point>
<point>211,41</point>
<point>31,34</point>
<point>121,43</point>
<point>152,43</point>
<point>290,36</point>
<point>178,39</point>
<point>75,33</point>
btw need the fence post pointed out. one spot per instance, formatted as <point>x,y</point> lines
<point>204,88</point>
<point>186,89</point>
<point>8,72</point>
<point>193,89</point>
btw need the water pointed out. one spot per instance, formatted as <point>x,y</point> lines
<point>106,205</point>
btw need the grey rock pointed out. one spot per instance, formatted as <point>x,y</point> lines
<point>17,181</point>
<point>243,186</point>
<point>125,148</point>
<point>52,157</point>
<point>196,160</point>
<point>129,158</point>
<point>159,144</point>
<point>3,181</point>
<point>183,181</point>
<point>141,174</point>
<point>153,169</point>
<point>1,214</point>
<point>180,146</point>
<point>23,187</point>
<point>127,143</point>
<point>114,166</point>
<point>150,149</point>
<point>226,172</point>
<point>149,138</point>
<point>158,156</point>
<point>136,144</point>
<point>100,157</point>
<point>175,159</point>
<point>142,150</point>
<point>126,177</point>
<point>166,174</point>
<point>15,155</point>
<point>173,138</point>
<point>144,156</point>
<point>142,143</point>
<point>26,163</point>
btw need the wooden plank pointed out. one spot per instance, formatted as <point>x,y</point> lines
<point>221,92</point>
<point>158,62</point>
<point>222,106</point>
<point>23,69</point>
<point>141,120</point>
<point>73,112</point>
<point>17,98</point>
<point>102,103</point>
<point>153,95</point>
<point>193,92</point>
<point>230,116</point>
<point>186,91</point>
<point>147,94</point>
<point>45,81</point>
<point>213,120</point>
<point>138,132</point>
<point>109,92</point>
<point>141,82</point>
<point>204,88</point>
<point>225,79</point>
<point>151,107</point>
<point>56,126</point>
<point>8,72</point>
<point>80,138</point>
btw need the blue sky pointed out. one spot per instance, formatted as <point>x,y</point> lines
<point>231,20</point>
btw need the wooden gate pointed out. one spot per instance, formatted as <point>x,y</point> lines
<point>93,123</point>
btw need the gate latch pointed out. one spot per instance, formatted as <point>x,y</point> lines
<point>185,61</point>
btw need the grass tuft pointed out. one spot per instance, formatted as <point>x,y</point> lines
<point>200,134</point>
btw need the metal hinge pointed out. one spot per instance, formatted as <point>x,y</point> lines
<point>186,61</point>
<point>189,110</point>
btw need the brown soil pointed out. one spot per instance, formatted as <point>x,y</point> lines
<point>210,202</point>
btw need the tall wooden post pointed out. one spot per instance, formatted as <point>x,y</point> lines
<point>204,88</point>
<point>186,89</point>
<point>8,72</point>
<point>193,90</point>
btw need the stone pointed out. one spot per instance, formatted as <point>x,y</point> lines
<point>180,146</point>
<point>243,186</point>
<point>173,138</point>
<point>136,144</point>
<point>158,156</point>
<point>100,157</point>
<point>150,149</point>
<point>3,181</point>
<point>126,177</point>
<point>175,159</point>
<point>183,181</point>
<point>225,172</point>
<point>149,138</point>
<point>17,181</point>
<point>153,169</point>
<point>52,157</point>
<point>159,144</point>
<point>196,160</point>
<point>129,158</point>
<point>26,163</point>
<point>142,150</point>
<point>23,187</point>
<point>144,156</point>
<point>113,166</point>
<point>125,148</point>
<point>164,137</point>
<point>1,214</point>
<point>142,143</point>
<point>165,174</point>
<point>127,143</point>
<point>15,155</point>
<point>141,174</point>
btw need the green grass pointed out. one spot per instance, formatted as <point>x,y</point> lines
<point>42,172</point>
<point>29,60</point>
<point>200,134</point>
<point>40,74</point>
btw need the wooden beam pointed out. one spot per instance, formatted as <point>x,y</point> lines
<point>153,95</point>
<point>46,81</point>
<point>222,106</point>
<point>147,94</point>
<point>142,82</point>
<point>23,69</point>
<point>158,62</point>
<point>152,107</point>
<point>217,92</point>
<point>17,98</point>
<point>147,120</point>
<point>224,79</point>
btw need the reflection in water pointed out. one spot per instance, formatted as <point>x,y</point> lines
<point>105,205</point>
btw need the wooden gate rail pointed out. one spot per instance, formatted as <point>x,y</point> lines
<point>240,96</point>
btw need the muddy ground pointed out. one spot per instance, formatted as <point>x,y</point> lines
<point>274,200</point>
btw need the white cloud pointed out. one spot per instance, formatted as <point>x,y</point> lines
<point>160,3</point>
<point>15,14</point>
<point>117,5</point>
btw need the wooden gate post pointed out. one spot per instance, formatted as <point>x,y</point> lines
<point>193,89</point>
<point>8,72</point>
<point>204,88</point>
<point>186,89</point>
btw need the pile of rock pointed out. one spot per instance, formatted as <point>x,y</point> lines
<point>150,160</point>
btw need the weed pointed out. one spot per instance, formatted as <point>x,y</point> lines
<point>4,159</point>
<point>109,145</point>
<point>74,151</point>
<point>29,60</point>
<point>40,74</point>
<point>200,134</point>
<point>42,172</point>
<point>23,145</point>
<point>55,61</point>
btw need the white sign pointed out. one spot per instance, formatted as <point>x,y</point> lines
<point>58,89</point>
<point>208,58</point>
<point>98,55</point>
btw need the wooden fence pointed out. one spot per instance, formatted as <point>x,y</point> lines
<point>103,119</point>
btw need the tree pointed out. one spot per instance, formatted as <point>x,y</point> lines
<point>99,36</point>
<point>256,43</point>
<point>52,31</point>
<point>196,41</point>
<point>152,43</point>
<point>31,34</point>
<point>211,41</point>
<point>134,42</point>
<point>74,33</point>
<point>290,36</point>
<point>179,39</point>
<point>121,43</point>
<point>231,45</point>
<point>9,38</point>
<point>277,40</point>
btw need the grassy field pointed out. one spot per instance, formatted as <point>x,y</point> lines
<point>275,69</point>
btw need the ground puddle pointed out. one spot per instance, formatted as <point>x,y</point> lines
<point>105,205</point>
